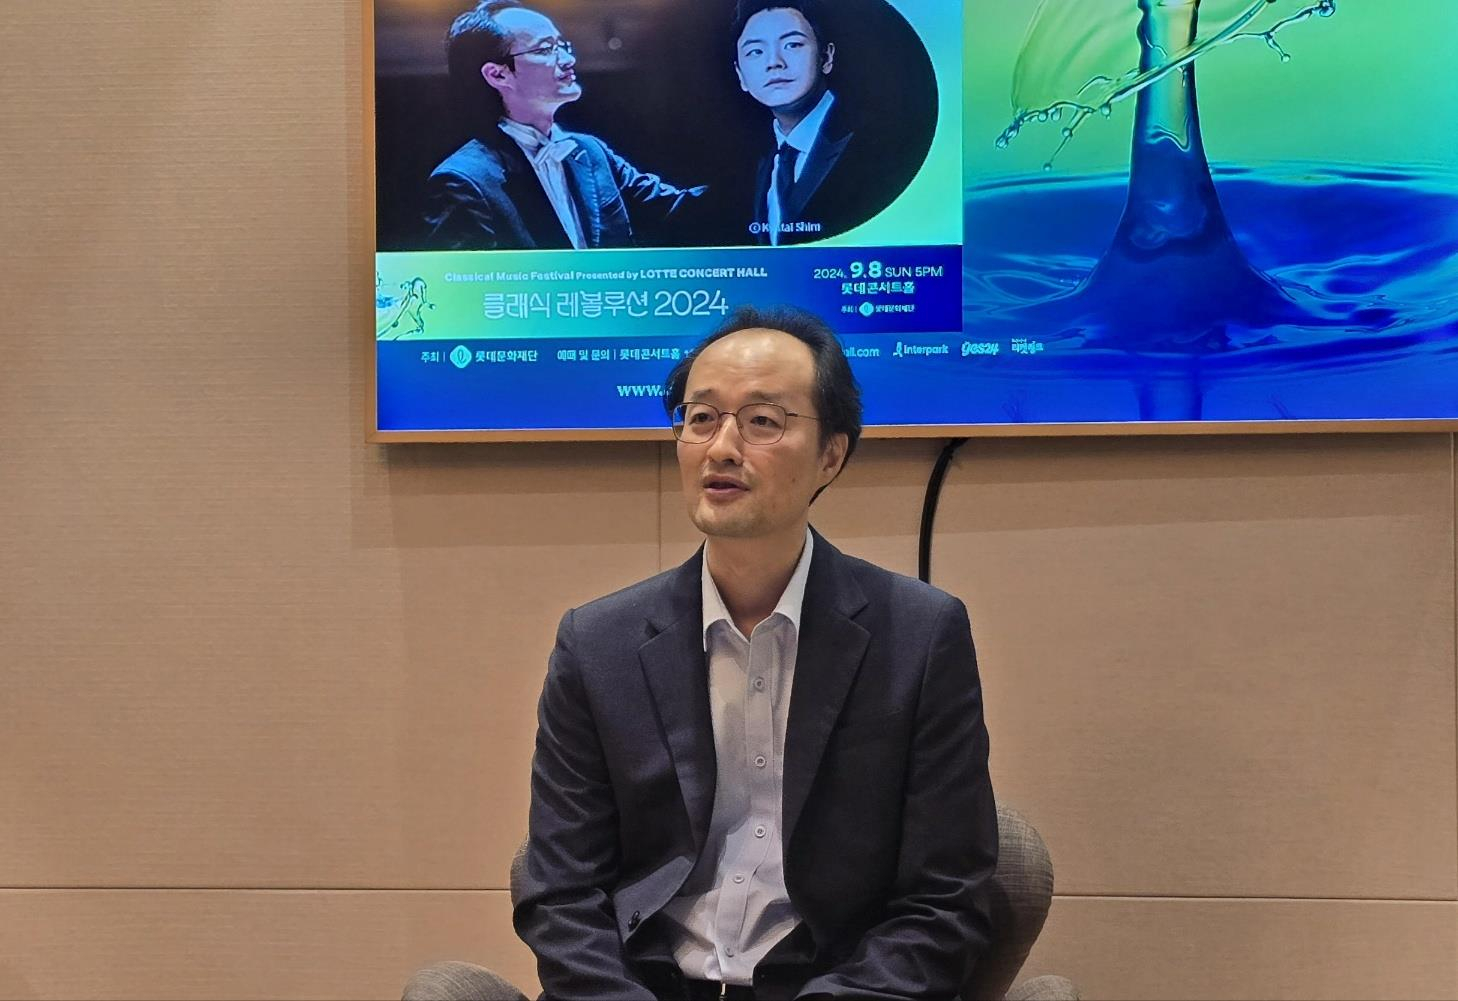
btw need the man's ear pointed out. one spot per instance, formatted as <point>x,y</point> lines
<point>740,77</point>
<point>827,61</point>
<point>496,75</point>
<point>832,457</point>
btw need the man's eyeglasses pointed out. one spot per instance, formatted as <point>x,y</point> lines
<point>556,48</point>
<point>759,423</point>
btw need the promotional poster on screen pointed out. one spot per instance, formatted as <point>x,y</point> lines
<point>1012,212</point>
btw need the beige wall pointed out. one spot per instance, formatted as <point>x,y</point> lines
<point>266,691</point>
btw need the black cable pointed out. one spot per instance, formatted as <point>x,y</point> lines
<point>929,508</point>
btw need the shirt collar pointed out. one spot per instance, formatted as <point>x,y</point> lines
<point>802,136</point>
<point>529,136</point>
<point>791,602</point>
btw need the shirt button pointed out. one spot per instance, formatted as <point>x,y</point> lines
<point>739,877</point>
<point>759,684</point>
<point>759,831</point>
<point>759,761</point>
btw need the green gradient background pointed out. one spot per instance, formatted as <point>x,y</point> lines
<point>1374,84</point>
<point>458,306</point>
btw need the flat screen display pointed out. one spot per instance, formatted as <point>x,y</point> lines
<point>1019,216</point>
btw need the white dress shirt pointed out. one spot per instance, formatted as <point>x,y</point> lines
<point>802,137</point>
<point>734,906</point>
<point>546,153</point>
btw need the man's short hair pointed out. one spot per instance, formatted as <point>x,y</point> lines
<point>836,394</point>
<point>475,39</point>
<point>813,11</point>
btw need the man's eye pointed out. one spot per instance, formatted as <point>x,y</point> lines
<point>753,53</point>
<point>764,421</point>
<point>699,418</point>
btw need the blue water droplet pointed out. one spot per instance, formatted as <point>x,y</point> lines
<point>1002,141</point>
<point>1285,57</point>
<point>1106,110</point>
<point>1048,166</point>
<point>1067,133</point>
<point>1057,113</point>
<point>1042,116</point>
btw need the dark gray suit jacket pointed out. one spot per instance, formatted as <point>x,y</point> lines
<point>486,196</point>
<point>890,829</point>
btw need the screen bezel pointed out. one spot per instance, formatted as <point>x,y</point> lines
<point>375,435</point>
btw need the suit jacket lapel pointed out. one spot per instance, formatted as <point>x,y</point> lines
<point>832,646</point>
<point>761,196</point>
<point>524,191</point>
<point>677,673</point>
<point>818,163</point>
<point>582,183</point>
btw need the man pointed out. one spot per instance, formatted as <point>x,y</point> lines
<point>524,182</point>
<point>820,177</point>
<point>762,774</point>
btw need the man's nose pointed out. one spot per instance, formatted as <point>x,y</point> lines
<point>726,443</point>
<point>777,58</point>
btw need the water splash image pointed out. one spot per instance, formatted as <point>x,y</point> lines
<point>1061,49</point>
<point>1329,264</point>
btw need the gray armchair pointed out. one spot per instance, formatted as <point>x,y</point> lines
<point>1022,891</point>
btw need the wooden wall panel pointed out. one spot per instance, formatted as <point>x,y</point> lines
<point>307,707</point>
<point>203,945</point>
<point>1172,950</point>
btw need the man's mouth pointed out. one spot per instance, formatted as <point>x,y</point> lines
<point>723,486</point>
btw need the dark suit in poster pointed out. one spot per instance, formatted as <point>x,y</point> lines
<point>852,172</point>
<point>486,196</point>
